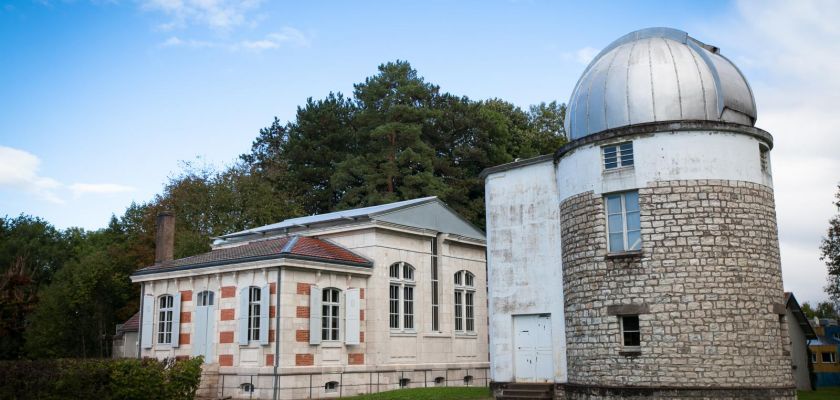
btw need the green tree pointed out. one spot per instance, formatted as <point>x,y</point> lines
<point>830,249</point>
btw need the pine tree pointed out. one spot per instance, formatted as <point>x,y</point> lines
<point>831,252</point>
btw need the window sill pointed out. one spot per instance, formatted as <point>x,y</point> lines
<point>403,333</point>
<point>630,352</point>
<point>632,254</point>
<point>617,170</point>
<point>332,343</point>
<point>466,335</point>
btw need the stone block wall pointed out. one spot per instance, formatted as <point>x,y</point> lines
<point>707,282</point>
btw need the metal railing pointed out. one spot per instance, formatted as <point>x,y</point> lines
<point>306,385</point>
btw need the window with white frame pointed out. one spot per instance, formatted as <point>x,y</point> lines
<point>165,304</point>
<point>464,301</point>
<point>617,155</point>
<point>435,287</point>
<point>829,357</point>
<point>330,305</point>
<point>401,296</point>
<point>630,333</point>
<point>254,295</point>
<point>623,221</point>
<point>204,298</point>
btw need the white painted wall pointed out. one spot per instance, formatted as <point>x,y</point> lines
<point>662,157</point>
<point>525,274</point>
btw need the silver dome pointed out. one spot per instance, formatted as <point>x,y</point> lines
<point>658,74</point>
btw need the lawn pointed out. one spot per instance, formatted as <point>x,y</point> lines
<point>820,394</point>
<point>460,393</point>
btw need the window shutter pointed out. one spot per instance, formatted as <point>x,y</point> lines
<point>148,321</point>
<point>314,315</point>
<point>176,319</point>
<point>242,313</point>
<point>351,316</point>
<point>264,302</point>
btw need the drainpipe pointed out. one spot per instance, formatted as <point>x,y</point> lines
<point>277,336</point>
<point>140,328</point>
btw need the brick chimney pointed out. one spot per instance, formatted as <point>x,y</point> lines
<point>164,237</point>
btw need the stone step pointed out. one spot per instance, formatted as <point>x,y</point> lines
<point>517,391</point>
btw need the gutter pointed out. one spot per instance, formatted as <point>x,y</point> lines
<point>150,271</point>
<point>140,328</point>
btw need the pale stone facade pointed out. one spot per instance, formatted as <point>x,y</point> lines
<point>374,361</point>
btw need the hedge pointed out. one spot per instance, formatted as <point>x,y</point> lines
<point>100,379</point>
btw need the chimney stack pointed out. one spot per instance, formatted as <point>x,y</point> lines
<point>164,237</point>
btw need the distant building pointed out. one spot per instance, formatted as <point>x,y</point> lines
<point>330,305</point>
<point>824,353</point>
<point>125,340</point>
<point>801,333</point>
<point>641,259</point>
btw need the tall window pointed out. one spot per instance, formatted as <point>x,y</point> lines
<point>401,296</point>
<point>435,303</point>
<point>165,304</point>
<point>254,294</point>
<point>618,155</point>
<point>464,301</point>
<point>330,303</point>
<point>623,225</point>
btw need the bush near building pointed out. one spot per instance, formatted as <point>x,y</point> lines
<point>100,379</point>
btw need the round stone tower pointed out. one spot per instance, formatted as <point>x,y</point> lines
<point>670,258</point>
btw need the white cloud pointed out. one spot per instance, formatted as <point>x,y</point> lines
<point>286,37</point>
<point>790,53</point>
<point>216,14</point>
<point>80,189</point>
<point>582,56</point>
<point>19,171</point>
<point>174,41</point>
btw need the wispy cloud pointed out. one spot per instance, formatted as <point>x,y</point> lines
<point>286,37</point>
<point>19,170</point>
<point>216,14</point>
<point>790,52</point>
<point>583,55</point>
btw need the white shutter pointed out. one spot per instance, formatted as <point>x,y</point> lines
<point>176,319</point>
<point>351,316</point>
<point>199,331</point>
<point>314,315</point>
<point>148,321</point>
<point>242,313</point>
<point>265,296</point>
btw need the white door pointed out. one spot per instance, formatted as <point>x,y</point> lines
<point>533,358</point>
<point>205,325</point>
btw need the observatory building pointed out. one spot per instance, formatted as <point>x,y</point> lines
<point>641,259</point>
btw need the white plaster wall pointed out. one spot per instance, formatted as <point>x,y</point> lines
<point>525,274</point>
<point>661,157</point>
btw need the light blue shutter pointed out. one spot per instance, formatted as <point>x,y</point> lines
<point>199,342</point>
<point>148,321</point>
<point>351,316</point>
<point>242,312</point>
<point>176,319</point>
<point>314,315</point>
<point>265,298</point>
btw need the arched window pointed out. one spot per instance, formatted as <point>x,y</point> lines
<point>331,387</point>
<point>401,296</point>
<point>464,301</point>
<point>439,381</point>
<point>247,387</point>
<point>330,304</point>
<point>254,297</point>
<point>468,380</point>
<point>204,298</point>
<point>165,304</point>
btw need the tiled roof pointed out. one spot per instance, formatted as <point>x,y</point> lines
<point>132,324</point>
<point>290,246</point>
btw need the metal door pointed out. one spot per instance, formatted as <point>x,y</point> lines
<point>205,325</point>
<point>533,356</point>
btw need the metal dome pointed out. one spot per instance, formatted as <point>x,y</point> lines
<point>658,74</point>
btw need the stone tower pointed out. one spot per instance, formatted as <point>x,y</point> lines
<point>649,239</point>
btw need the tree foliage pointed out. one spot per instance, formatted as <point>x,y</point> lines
<point>830,249</point>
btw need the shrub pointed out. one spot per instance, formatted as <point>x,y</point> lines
<point>100,379</point>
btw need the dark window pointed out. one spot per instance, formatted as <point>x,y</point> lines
<point>401,309</point>
<point>165,304</point>
<point>331,386</point>
<point>254,295</point>
<point>630,331</point>
<point>439,381</point>
<point>828,357</point>
<point>404,382</point>
<point>330,303</point>
<point>247,387</point>
<point>468,380</point>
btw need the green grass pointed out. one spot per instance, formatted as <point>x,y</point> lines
<point>820,394</point>
<point>460,393</point>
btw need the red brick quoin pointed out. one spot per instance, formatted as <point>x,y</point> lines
<point>304,359</point>
<point>302,335</point>
<point>186,295</point>
<point>186,317</point>
<point>269,359</point>
<point>228,314</point>
<point>356,358</point>
<point>226,337</point>
<point>228,291</point>
<point>302,312</point>
<point>184,338</point>
<point>225,360</point>
<point>303,288</point>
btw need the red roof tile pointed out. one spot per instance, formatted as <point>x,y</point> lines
<point>293,246</point>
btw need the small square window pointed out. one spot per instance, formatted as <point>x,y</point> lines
<point>331,387</point>
<point>630,333</point>
<point>618,155</point>
<point>404,382</point>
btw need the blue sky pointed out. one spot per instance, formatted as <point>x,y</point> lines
<point>101,100</point>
